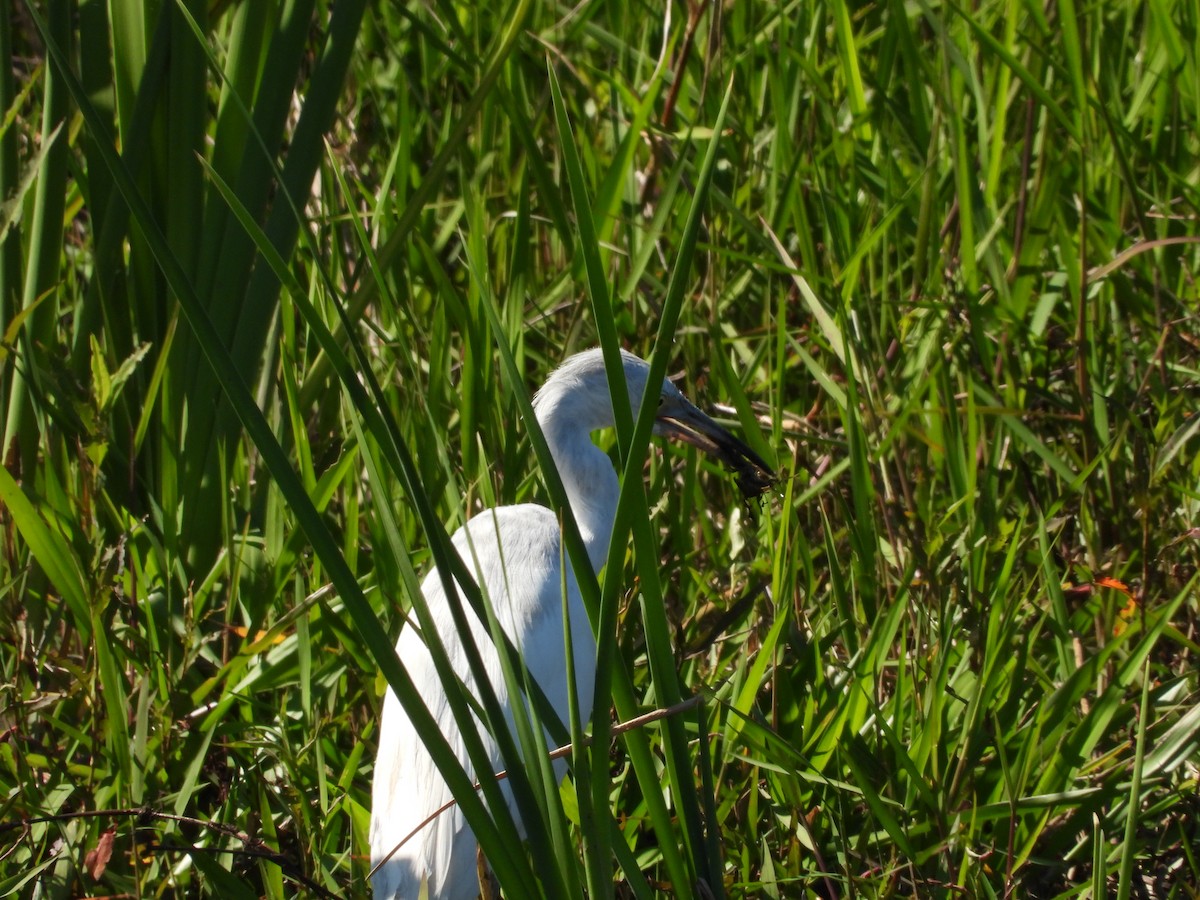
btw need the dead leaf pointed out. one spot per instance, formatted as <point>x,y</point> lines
<point>97,858</point>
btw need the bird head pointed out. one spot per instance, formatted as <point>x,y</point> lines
<point>578,394</point>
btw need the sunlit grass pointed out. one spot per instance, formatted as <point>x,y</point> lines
<point>943,274</point>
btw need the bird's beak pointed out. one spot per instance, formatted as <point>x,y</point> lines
<point>685,422</point>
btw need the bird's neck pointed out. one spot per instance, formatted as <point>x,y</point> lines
<point>591,485</point>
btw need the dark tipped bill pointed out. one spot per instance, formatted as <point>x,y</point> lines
<point>687,423</point>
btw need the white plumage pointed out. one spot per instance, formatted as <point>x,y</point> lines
<point>514,552</point>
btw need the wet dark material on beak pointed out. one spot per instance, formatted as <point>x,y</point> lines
<point>754,476</point>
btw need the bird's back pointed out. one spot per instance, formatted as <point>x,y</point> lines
<point>515,554</point>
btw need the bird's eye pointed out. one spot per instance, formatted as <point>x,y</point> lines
<point>661,399</point>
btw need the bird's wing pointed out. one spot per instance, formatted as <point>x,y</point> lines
<point>515,554</point>
<point>524,577</point>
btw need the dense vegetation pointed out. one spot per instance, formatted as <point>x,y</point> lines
<point>277,279</point>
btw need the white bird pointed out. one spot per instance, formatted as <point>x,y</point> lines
<point>515,554</point>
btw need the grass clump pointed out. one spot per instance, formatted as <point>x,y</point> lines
<point>275,284</point>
